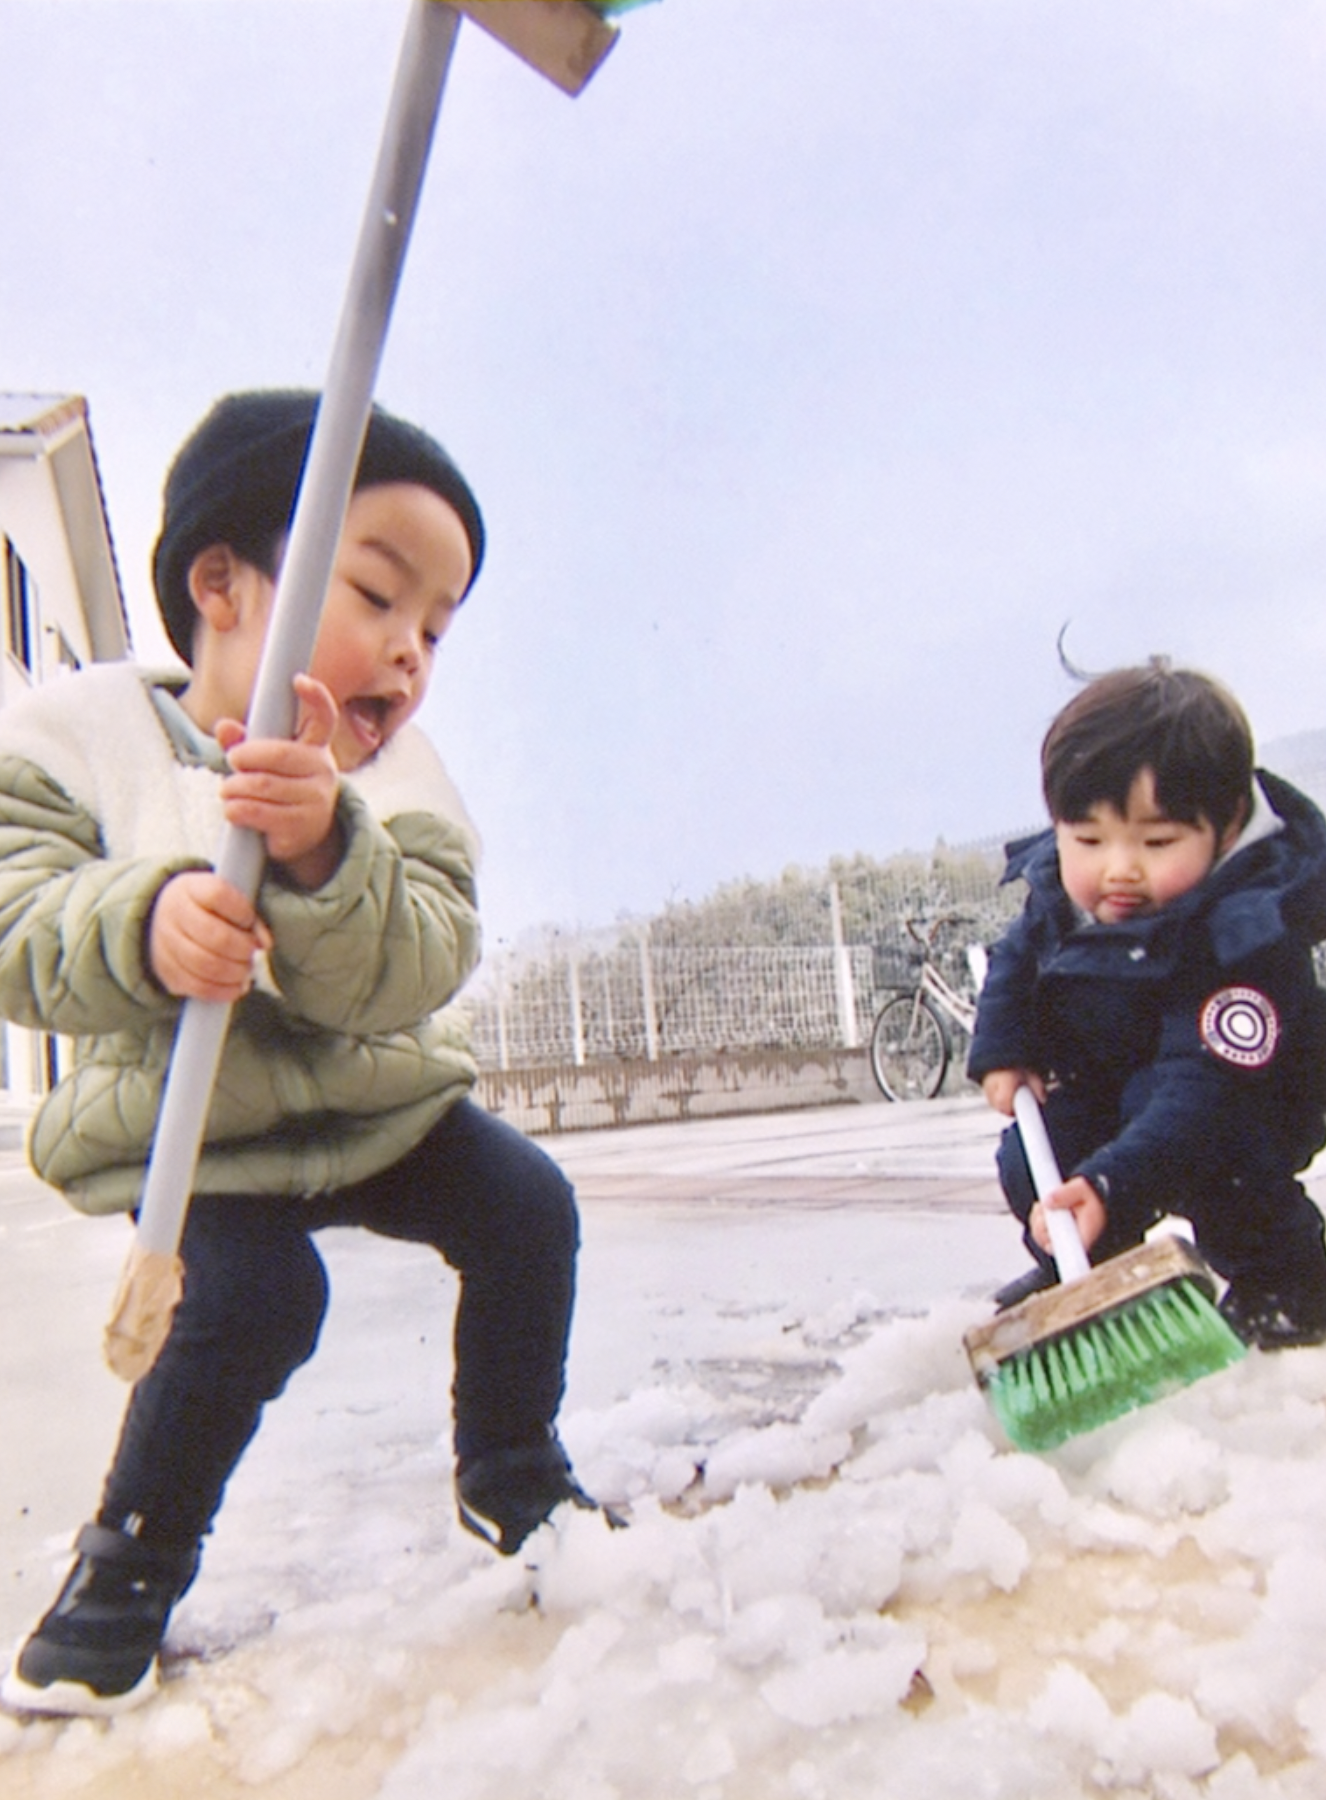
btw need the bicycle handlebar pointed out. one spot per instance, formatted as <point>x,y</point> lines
<point>950,918</point>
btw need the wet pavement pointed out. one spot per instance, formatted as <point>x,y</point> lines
<point>927,1155</point>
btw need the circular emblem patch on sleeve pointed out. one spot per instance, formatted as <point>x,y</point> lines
<point>1241,1026</point>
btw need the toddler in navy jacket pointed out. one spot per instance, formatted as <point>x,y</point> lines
<point>1158,993</point>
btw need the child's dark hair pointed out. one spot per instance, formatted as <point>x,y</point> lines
<point>235,479</point>
<point>1187,729</point>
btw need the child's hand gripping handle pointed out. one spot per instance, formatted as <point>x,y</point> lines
<point>1065,1240</point>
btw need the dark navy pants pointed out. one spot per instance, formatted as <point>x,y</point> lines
<point>1271,1236</point>
<point>255,1294</point>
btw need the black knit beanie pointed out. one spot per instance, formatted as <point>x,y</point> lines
<point>234,481</point>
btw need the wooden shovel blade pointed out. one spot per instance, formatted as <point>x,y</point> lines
<point>565,40</point>
<point>145,1302</point>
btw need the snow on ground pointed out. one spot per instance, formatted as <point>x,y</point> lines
<point>838,1580</point>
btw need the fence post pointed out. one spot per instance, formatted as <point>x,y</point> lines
<point>577,1011</point>
<point>647,998</point>
<point>609,1023</point>
<point>503,1042</point>
<point>842,973</point>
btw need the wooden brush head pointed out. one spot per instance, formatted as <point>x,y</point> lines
<point>1045,1316</point>
<point>565,40</point>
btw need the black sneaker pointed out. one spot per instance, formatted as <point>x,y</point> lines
<point>506,1494</point>
<point>95,1652</point>
<point>1270,1321</point>
<point>1034,1280</point>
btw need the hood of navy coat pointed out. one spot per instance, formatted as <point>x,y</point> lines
<point>1251,899</point>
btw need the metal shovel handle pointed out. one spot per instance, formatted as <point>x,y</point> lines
<point>338,435</point>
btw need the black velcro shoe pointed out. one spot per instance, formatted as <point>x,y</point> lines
<point>1034,1280</point>
<point>1271,1321</point>
<point>506,1494</point>
<point>94,1654</point>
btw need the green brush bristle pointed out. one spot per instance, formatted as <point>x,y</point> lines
<point>606,8</point>
<point>1154,1345</point>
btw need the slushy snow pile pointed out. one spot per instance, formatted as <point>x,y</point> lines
<point>838,1581</point>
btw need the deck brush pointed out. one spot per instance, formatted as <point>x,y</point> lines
<point>565,40</point>
<point>1106,1340</point>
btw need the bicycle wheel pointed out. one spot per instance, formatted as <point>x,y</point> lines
<point>909,1049</point>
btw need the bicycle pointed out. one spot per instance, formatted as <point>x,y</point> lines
<point>911,1041</point>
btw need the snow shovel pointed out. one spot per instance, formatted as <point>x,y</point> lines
<point>565,40</point>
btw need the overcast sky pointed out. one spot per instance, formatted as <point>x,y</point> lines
<point>813,368</point>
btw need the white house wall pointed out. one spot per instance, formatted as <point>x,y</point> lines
<point>31,518</point>
<point>51,511</point>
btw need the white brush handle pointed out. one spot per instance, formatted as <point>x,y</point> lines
<point>1065,1239</point>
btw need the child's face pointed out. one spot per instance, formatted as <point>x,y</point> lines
<point>401,569</point>
<point>1128,866</point>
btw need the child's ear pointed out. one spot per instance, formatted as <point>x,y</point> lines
<point>214,587</point>
<point>1229,837</point>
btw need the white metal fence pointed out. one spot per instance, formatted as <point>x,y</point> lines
<point>828,948</point>
<point>641,1002</point>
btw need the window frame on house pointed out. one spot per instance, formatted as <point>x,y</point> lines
<point>21,622</point>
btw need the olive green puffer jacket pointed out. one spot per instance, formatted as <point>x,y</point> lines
<point>340,1059</point>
